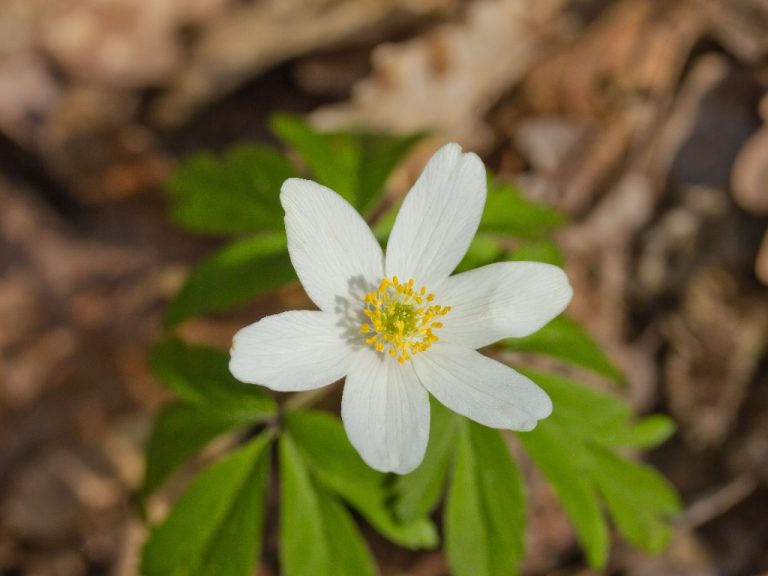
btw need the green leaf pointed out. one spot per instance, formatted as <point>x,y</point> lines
<point>483,250</point>
<point>485,510</point>
<point>646,433</point>
<point>561,461</point>
<point>317,535</point>
<point>507,212</point>
<point>599,417</point>
<point>575,448</point>
<point>199,375</point>
<point>383,226</point>
<point>232,276</point>
<point>213,403</point>
<point>581,411</point>
<point>538,251</point>
<point>356,165</point>
<point>216,526</point>
<point>321,439</point>
<point>180,431</point>
<point>238,193</point>
<point>567,341</point>
<point>418,493</point>
<point>640,501</point>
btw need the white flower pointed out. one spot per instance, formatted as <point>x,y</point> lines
<point>398,325</point>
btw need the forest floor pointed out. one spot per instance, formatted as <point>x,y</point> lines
<point>645,121</point>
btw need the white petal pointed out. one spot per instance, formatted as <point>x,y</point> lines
<point>438,219</point>
<point>297,350</point>
<point>504,300</point>
<point>332,249</point>
<point>481,388</point>
<point>385,412</point>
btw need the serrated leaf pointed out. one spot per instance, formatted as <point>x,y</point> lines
<point>200,375</point>
<point>180,431</point>
<point>507,212</point>
<point>418,493</point>
<point>323,444</point>
<point>237,193</point>
<point>567,341</point>
<point>354,164</point>
<point>485,509</point>
<point>641,502</point>
<point>561,462</point>
<point>226,500</point>
<point>237,273</point>
<point>317,535</point>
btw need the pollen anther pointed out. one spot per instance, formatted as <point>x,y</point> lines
<point>401,318</point>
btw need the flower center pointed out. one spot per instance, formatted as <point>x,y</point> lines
<point>401,319</point>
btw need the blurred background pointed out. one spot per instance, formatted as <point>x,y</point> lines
<point>645,121</point>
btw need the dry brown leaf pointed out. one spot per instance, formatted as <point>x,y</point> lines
<point>253,36</point>
<point>599,256</point>
<point>596,267</point>
<point>671,249</point>
<point>761,264</point>
<point>685,556</point>
<point>740,25</point>
<point>27,96</point>
<point>445,81</point>
<point>716,344</point>
<point>636,50</point>
<point>92,142</point>
<point>706,72</point>
<point>118,43</point>
<point>548,142</point>
<point>749,179</point>
<point>618,78</point>
<point>198,11</point>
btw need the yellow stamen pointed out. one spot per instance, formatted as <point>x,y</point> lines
<point>399,321</point>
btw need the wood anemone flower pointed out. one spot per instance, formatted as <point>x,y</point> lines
<point>398,325</point>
